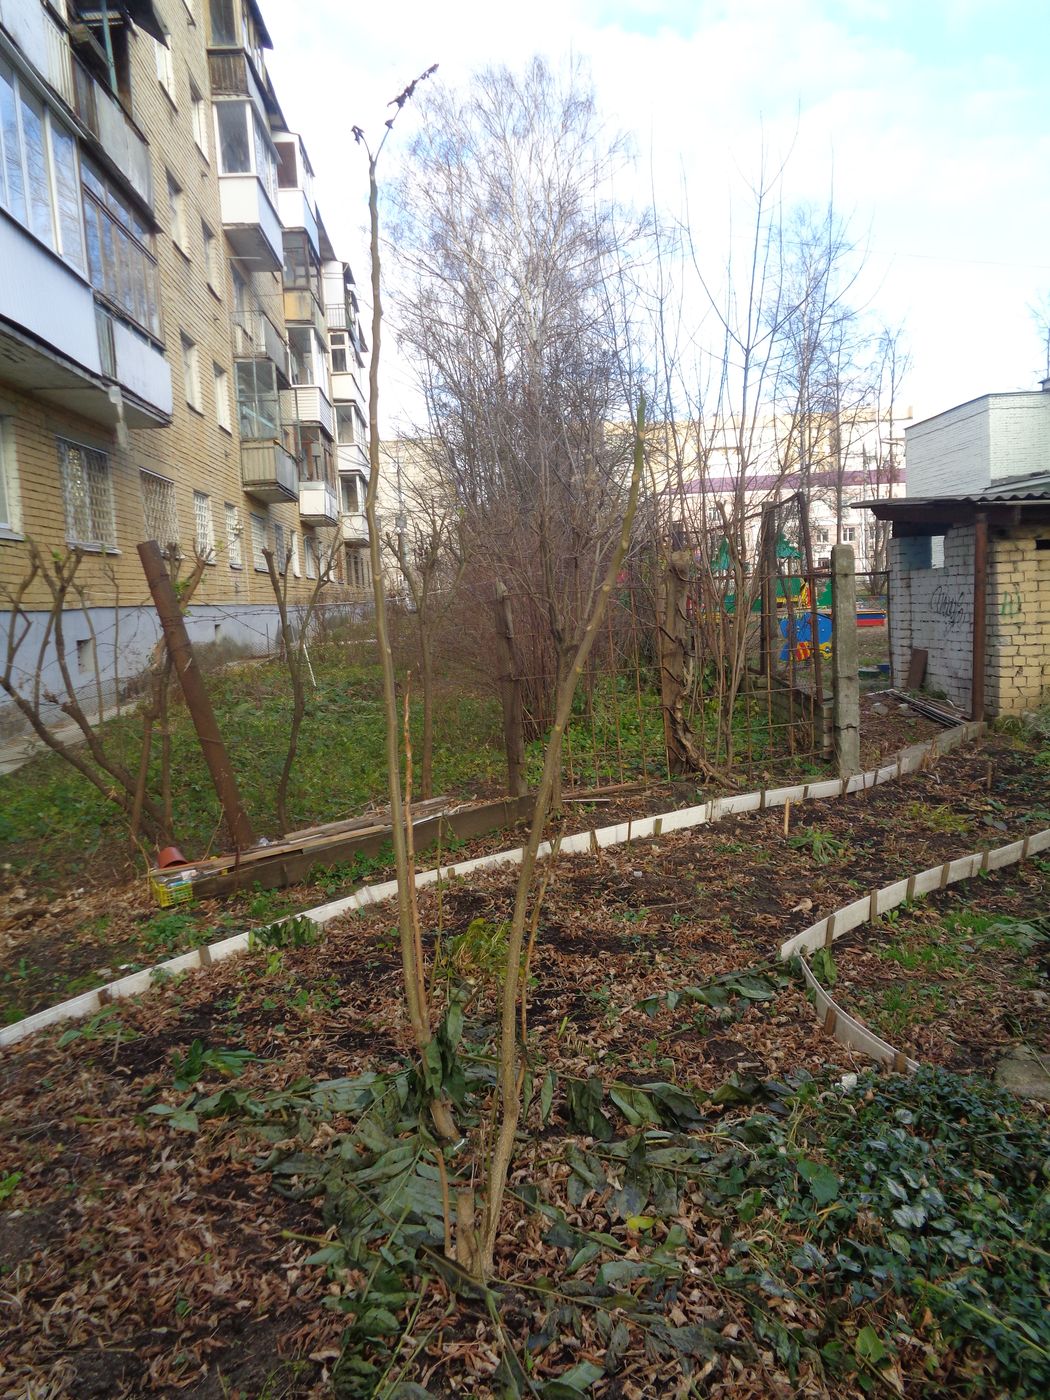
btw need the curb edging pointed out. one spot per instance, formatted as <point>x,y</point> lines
<point>907,761</point>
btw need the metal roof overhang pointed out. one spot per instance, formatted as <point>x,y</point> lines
<point>936,514</point>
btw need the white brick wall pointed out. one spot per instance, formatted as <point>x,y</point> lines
<point>987,440</point>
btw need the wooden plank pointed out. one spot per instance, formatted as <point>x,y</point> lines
<point>916,668</point>
<point>278,867</point>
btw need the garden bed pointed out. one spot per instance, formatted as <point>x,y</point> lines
<point>147,1251</point>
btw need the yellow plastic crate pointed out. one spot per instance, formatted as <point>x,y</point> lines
<point>172,889</point>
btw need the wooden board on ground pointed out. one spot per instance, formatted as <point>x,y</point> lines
<point>286,863</point>
<point>916,668</point>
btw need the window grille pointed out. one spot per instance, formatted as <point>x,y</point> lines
<point>88,494</point>
<point>293,544</point>
<point>233,537</point>
<point>158,509</point>
<point>203,527</point>
<point>310,550</point>
<point>278,547</point>
<point>258,542</point>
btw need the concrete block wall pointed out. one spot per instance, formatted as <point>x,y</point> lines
<point>932,608</point>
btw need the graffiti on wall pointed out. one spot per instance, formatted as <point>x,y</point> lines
<point>1010,603</point>
<point>949,605</point>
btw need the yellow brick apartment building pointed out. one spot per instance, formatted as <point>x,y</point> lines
<point>181,357</point>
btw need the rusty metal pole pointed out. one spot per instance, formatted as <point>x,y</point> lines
<point>198,701</point>
<point>980,599</point>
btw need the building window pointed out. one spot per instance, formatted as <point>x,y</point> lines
<point>9,512</point>
<point>280,554</point>
<point>39,175</point>
<point>223,17</point>
<point>258,543</point>
<point>301,272</point>
<point>315,456</point>
<point>258,404</point>
<point>233,537</point>
<point>87,491</point>
<point>120,257</point>
<point>345,424</point>
<point>849,534</point>
<point>199,111</point>
<point>203,527</point>
<point>212,261</point>
<point>293,549</point>
<point>245,147</point>
<point>165,66</point>
<point>222,398</point>
<point>310,550</point>
<point>159,512</point>
<point>351,495</point>
<point>177,214</point>
<point>191,382</point>
<point>337,344</point>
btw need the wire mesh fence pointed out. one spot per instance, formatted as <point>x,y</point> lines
<point>702,667</point>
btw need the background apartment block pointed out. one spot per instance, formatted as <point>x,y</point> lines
<point>180,348</point>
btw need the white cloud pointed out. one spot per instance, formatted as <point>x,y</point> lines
<point>929,120</point>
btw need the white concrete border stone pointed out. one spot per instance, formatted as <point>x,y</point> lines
<point>907,761</point>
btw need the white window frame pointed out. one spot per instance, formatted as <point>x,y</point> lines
<point>223,412</point>
<point>234,547</point>
<point>260,541</point>
<point>93,462</point>
<point>165,67</point>
<point>280,553</point>
<point>203,527</point>
<point>293,541</point>
<point>310,551</point>
<point>177,210</point>
<point>199,113</point>
<point>212,260</point>
<point>191,378</point>
<point>849,534</point>
<point>60,232</point>
<point>10,497</point>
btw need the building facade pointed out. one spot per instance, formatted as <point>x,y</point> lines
<point>180,349</point>
<point>703,477</point>
<point>970,554</point>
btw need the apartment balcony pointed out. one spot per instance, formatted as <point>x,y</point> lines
<point>268,472</point>
<point>318,504</point>
<point>302,308</point>
<point>255,337</point>
<point>250,222</point>
<point>230,75</point>
<point>295,211</point>
<point>46,45</point>
<point>352,457</point>
<point>57,344</point>
<point>347,387</point>
<point>308,404</point>
<point>353,527</point>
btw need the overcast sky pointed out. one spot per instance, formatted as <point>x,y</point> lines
<point>930,117</point>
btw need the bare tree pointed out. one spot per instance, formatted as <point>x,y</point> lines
<point>100,761</point>
<point>295,632</point>
<point>427,546</point>
<point>508,240</point>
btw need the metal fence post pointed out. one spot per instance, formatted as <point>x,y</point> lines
<point>844,673</point>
